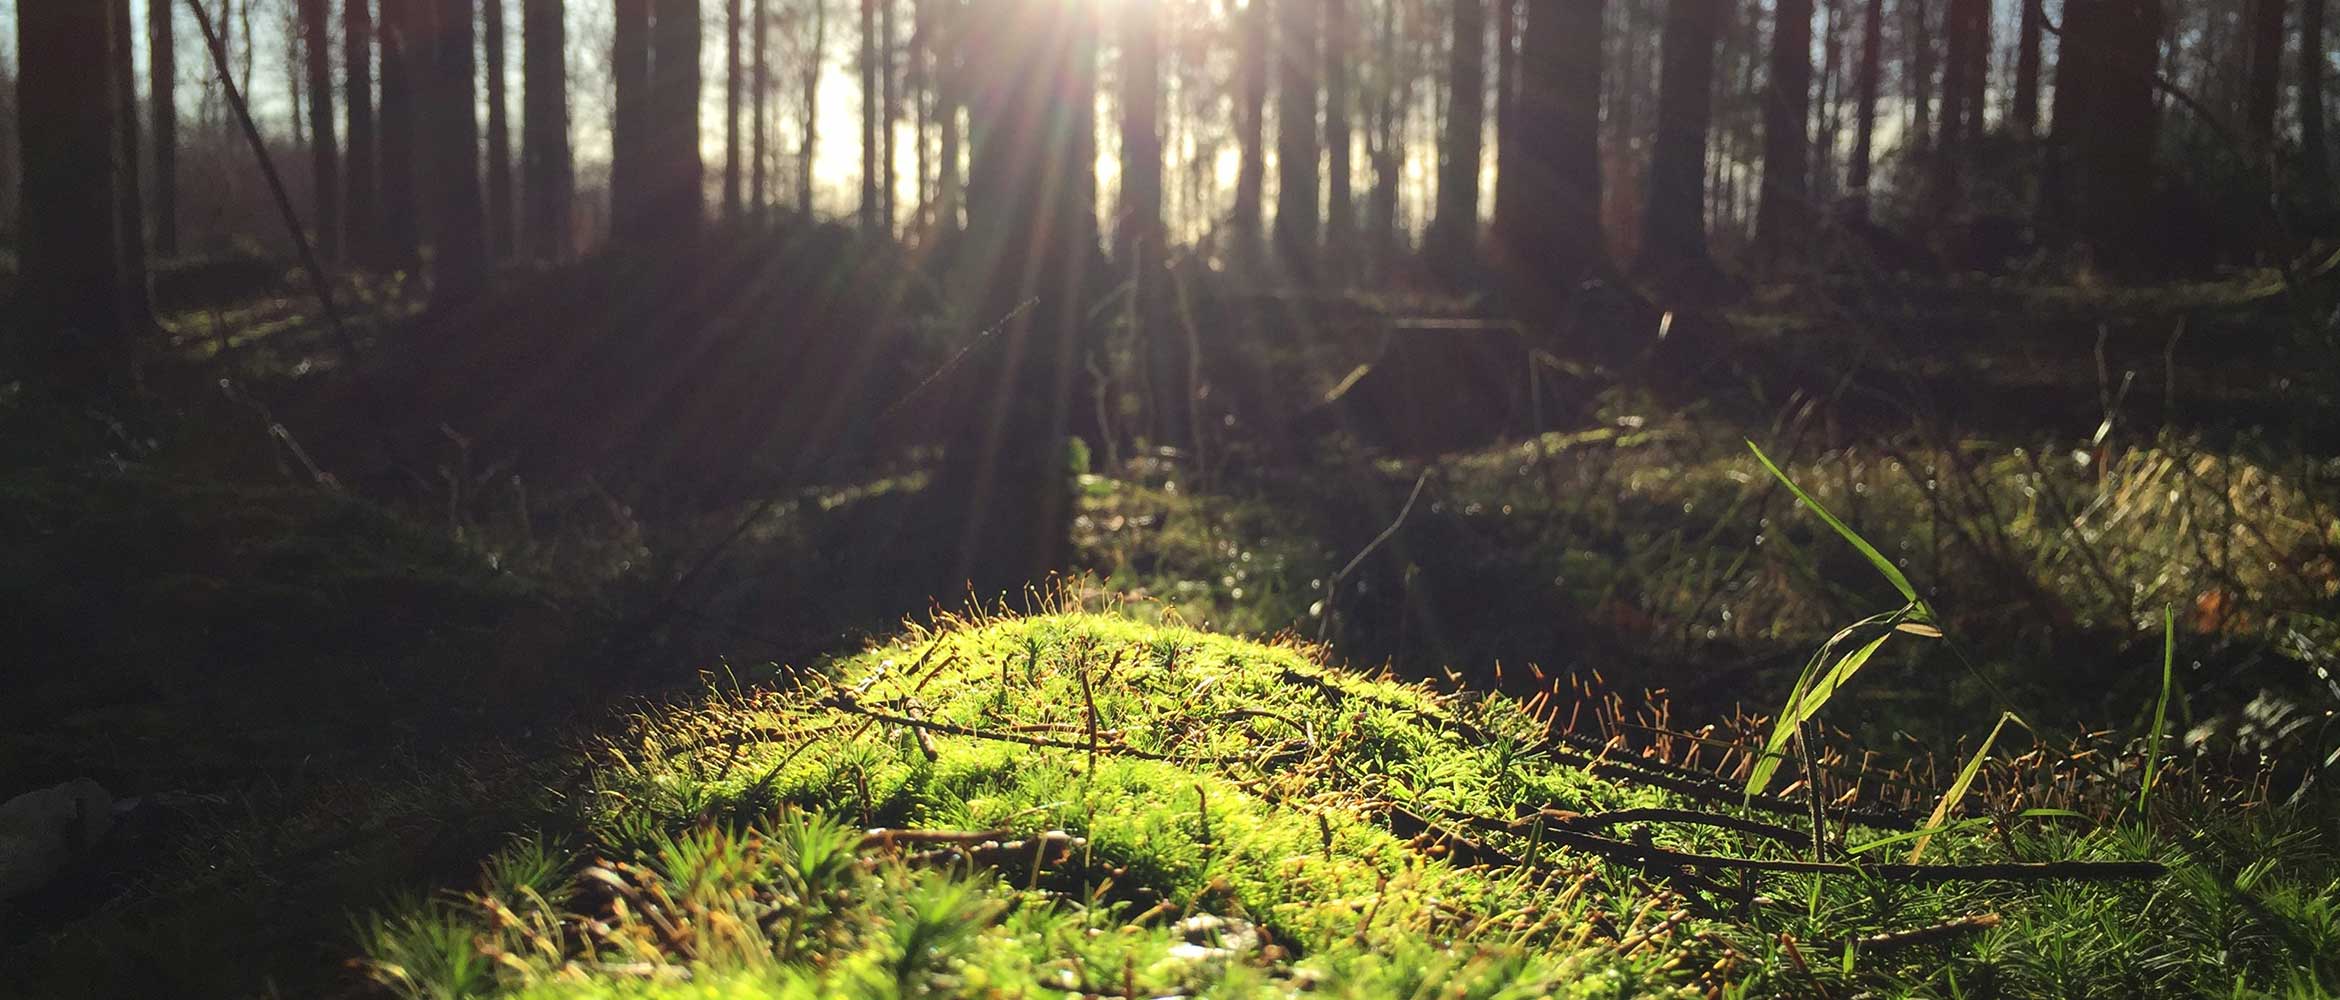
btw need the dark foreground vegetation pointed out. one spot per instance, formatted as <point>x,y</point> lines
<point>1815,532</point>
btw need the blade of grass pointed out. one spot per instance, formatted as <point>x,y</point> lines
<point>1808,696</point>
<point>1957,792</point>
<point>1877,559</point>
<point>2160,707</point>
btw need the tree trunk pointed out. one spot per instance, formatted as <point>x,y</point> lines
<point>678,204</point>
<point>402,66</point>
<point>458,221</point>
<point>1919,83</point>
<point>1137,236</point>
<point>1454,226</point>
<point>1865,104</point>
<point>631,164</point>
<point>732,83</point>
<point>2101,152</point>
<point>1673,243</point>
<point>500,207</point>
<point>1548,200</point>
<point>76,324</point>
<point>872,205</point>
<point>2315,173</point>
<point>324,149</point>
<point>1381,203</point>
<point>2027,42</point>
<point>162,88</point>
<point>2264,82</point>
<point>1297,187</point>
<point>889,112</point>
<point>760,80</point>
<point>1340,217</point>
<point>1251,71</point>
<point>1030,241</point>
<point>361,219</point>
<point>547,170</point>
<point>131,216</point>
<point>1947,168</point>
<point>809,145</point>
<point>1783,215</point>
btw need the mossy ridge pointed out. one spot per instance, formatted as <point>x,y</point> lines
<point>1242,780</point>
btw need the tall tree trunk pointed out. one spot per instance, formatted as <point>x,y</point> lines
<point>1454,226</point>
<point>1865,103</point>
<point>1978,72</point>
<point>1783,216</point>
<point>2101,152</point>
<point>678,204</point>
<point>324,149</point>
<point>458,221</point>
<point>132,215</point>
<point>1548,201</point>
<point>1297,188</point>
<point>632,162</point>
<point>1137,236</point>
<point>2264,83</point>
<point>1673,243</point>
<point>402,69</point>
<point>2315,172</point>
<point>547,169</point>
<point>1251,72</point>
<point>732,83</point>
<point>872,196</point>
<point>1947,167</point>
<point>1030,241</point>
<point>76,325</point>
<point>810,143</point>
<point>2027,43</point>
<point>1919,83</point>
<point>1381,203</point>
<point>163,101</point>
<point>890,111</point>
<point>1340,217</point>
<point>296,120</point>
<point>760,79</point>
<point>360,219</point>
<point>500,206</point>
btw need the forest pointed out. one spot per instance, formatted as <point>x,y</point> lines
<point>1169,498</point>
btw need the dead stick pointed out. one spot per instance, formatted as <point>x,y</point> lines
<point>319,281</point>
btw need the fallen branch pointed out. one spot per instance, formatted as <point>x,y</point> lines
<point>845,703</point>
<point>1931,934</point>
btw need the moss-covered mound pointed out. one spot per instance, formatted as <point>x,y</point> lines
<point>1085,804</point>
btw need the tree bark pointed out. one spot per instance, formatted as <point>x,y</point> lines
<point>760,80</point>
<point>1297,189</point>
<point>889,112</point>
<point>1548,185</point>
<point>1783,215</point>
<point>402,65</point>
<point>361,220</point>
<point>501,210</point>
<point>324,148</point>
<point>1382,147</point>
<point>872,198</point>
<point>1137,235</point>
<point>2101,151</point>
<point>458,222</point>
<point>810,142</point>
<point>1673,243</point>
<point>76,325</point>
<point>1251,72</point>
<point>1454,226</point>
<point>1340,216</point>
<point>732,84</point>
<point>547,169</point>
<point>1865,104</point>
<point>132,216</point>
<point>2027,44</point>
<point>1030,239</point>
<point>162,89</point>
<point>678,203</point>
<point>1919,83</point>
<point>2264,82</point>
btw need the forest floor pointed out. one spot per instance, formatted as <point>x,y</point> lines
<point>332,691</point>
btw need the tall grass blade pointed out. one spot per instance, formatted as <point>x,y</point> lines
<point>1884,566</point>
<point>2160,707</point>
<point>1804,703</point>
<point>1957,792</point>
